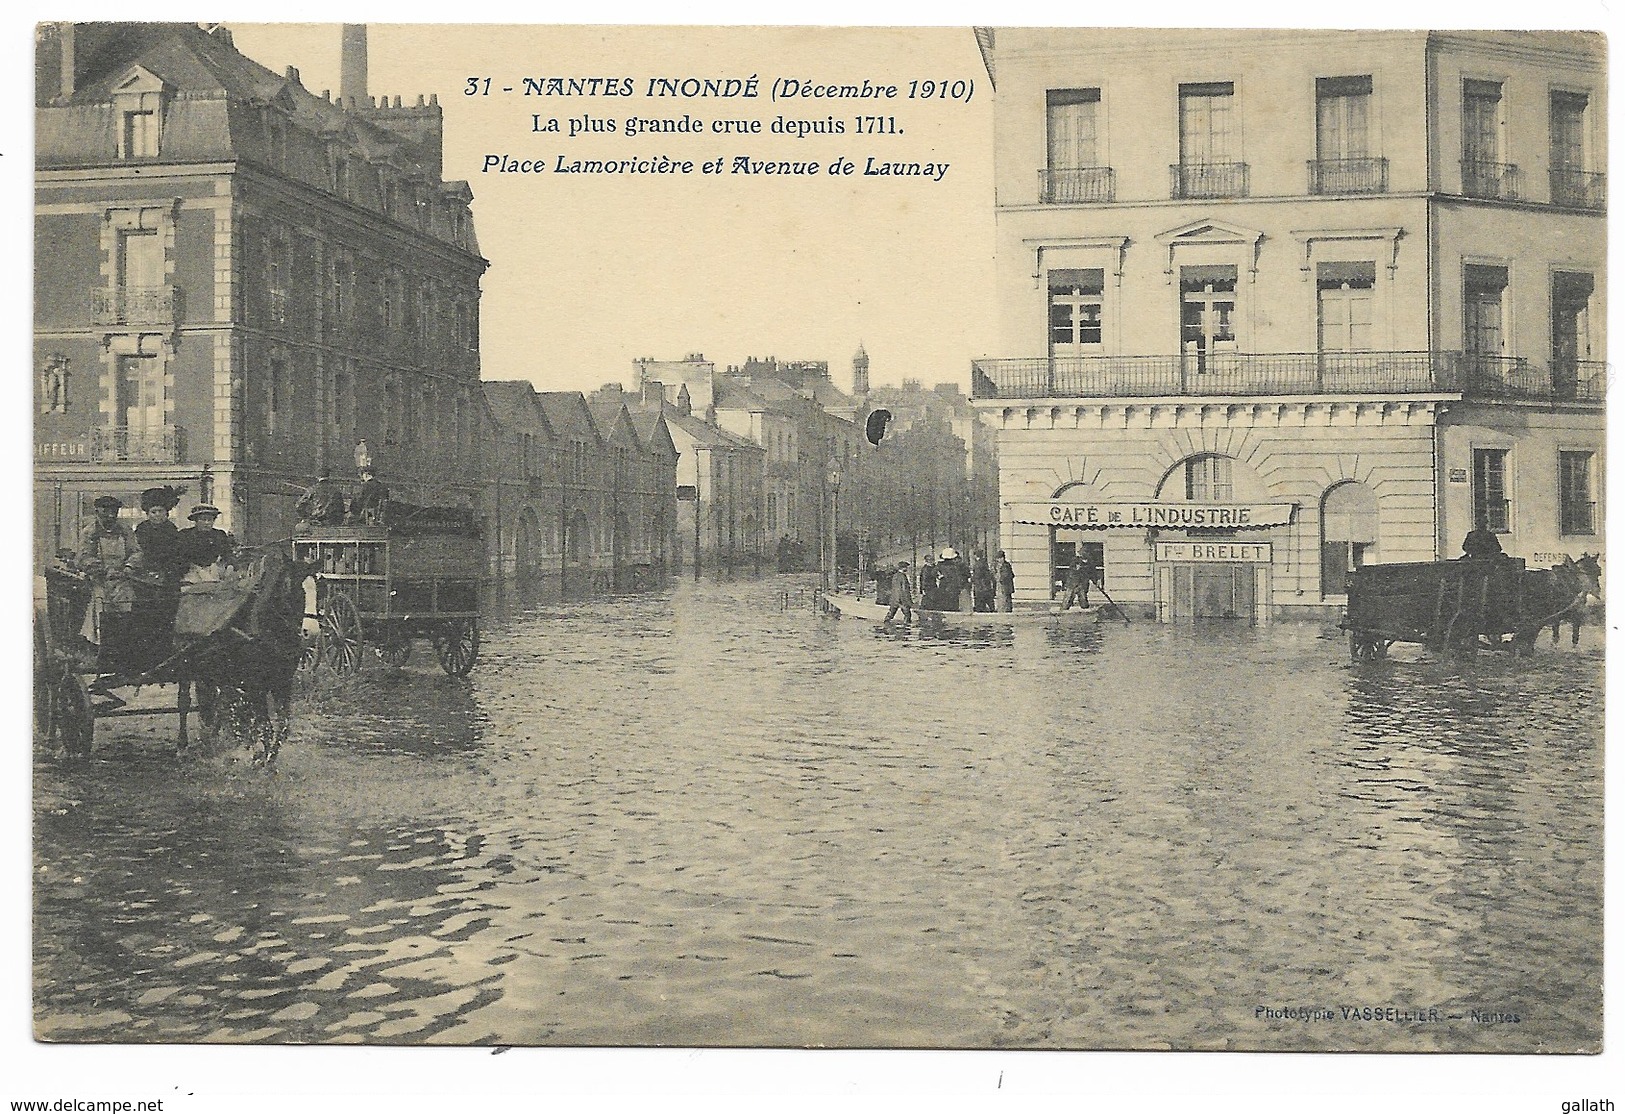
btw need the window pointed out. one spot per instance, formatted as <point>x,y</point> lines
<point>1482,324</point>
<point>140,275</point>
<point>1574,496</point>
<point>276,394</point>
<point>140,134</point>
<point>1348,532</point>
<point>1208,479</point>
<point>1207,313</point>
<point>1568,119</point>
<point>1491,510</point>
<point>1072,120</point>
<point>1206,122</point>
<point>1346,296</point>
<point>1075,305</point>
<point>1342,113</point>
<point>1571,332</point>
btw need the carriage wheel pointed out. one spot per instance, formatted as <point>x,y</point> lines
<point>341,634</point>
<point>458,645</point>
<point>396,647</point>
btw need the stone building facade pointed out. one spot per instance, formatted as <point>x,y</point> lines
<point>237,281</point>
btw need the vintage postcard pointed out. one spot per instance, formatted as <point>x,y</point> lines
<point>942,538</point>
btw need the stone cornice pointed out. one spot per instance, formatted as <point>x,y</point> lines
<point>1235,413</point>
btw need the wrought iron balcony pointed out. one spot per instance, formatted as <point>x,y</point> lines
<point>1579,379</point>
<point>1496,181</point>
<point>1348,175</point>
<point>1578,189</point>
<point>135,305</point>
<point>1289,373</point>
<point>1207,179</point>
<point>119,445</point>
<point>1061,185</point>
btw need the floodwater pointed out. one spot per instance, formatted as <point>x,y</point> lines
<point>701,817</point>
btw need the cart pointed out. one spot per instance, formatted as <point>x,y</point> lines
<point>1454,606</point>
<point>200,636</point>
<point>417,576</point>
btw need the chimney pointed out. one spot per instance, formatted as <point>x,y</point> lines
<point>66,40</point>
<point>353,65</point>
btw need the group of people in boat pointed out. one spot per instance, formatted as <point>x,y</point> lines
<point>136,574</point>
<point>947,582</point>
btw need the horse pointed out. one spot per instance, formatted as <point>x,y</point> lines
<point>1559,595</point>
<point>246,670</point>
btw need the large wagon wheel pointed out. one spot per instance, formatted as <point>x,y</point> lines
<point>394,646</point>
<point>341,633</point>
<point>458,644</point>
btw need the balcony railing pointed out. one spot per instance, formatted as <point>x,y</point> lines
<point>1207,179</point>
<point>1290,373</point>
<point>1348,175</point>
<point>1579,379</point>
<point>162,446</point>
<point>135,305</point>
<point>1579,189</point>
<point>1497,181</point>
<point>1062,185</point>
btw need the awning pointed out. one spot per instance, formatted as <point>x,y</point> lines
<point>1142,516</point>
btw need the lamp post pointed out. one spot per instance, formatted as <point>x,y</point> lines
<point>834,528</point>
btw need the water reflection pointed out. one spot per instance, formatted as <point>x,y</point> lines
<point>710,815</point>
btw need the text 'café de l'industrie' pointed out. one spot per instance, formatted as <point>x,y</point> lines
<point>1274,305</point>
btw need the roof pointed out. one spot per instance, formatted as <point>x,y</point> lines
<point>513,405</point>
<point>708,435</point>
<point>567,414</point>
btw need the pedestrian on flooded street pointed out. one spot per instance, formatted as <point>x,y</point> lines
<point>928,584</point>
<point>981,583</point>
<point>902,595</point>
<point>1004,579</point>
<point>1077,585</point>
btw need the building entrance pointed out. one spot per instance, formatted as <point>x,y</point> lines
<point>1064,552</point>
<point>1213,592</point>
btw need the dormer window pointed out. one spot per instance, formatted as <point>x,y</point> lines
<point>138,104</point>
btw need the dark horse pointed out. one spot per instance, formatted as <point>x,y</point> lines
<point>246,670</point>
<point>1558,595</point>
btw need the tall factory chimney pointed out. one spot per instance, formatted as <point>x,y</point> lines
<point>353,66</point>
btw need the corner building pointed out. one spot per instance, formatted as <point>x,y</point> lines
<point>1277,304</point>
<point>237,281</point>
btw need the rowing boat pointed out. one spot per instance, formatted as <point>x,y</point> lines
<point>853,607</point>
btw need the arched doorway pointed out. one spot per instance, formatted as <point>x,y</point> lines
<point>1348,534</point>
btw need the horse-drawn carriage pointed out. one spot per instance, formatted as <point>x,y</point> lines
<point>1463,606</point>
<point>235,641</point>
<point>416,575</point>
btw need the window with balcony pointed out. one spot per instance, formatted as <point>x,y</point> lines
<point>1491,509</point>
<point>1483,143</point>
<point>141,427</point>
<point>1483,325</point>
<point>1576,500</point>
<point>1074,172</point>
<point>1571,334</point>
<point>1075,311</point>
<point>140,295</point>
<point>1343,159</point>
<point>1572,184</point>
<point>1208,164</point>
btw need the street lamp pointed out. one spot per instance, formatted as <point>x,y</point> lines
<point>834,530</point>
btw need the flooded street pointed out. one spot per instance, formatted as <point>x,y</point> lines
<point>697,818</point>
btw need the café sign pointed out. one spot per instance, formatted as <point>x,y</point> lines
<point>1248,552</point>
<point>1167,516</point>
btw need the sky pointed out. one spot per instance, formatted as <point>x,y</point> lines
<point>588,272</point>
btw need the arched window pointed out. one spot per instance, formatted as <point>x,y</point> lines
<point>1208,479</point>
<point>1348,534</point>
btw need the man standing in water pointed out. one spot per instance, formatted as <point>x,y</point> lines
<point>902,595</point>
<point>1004,579</point>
